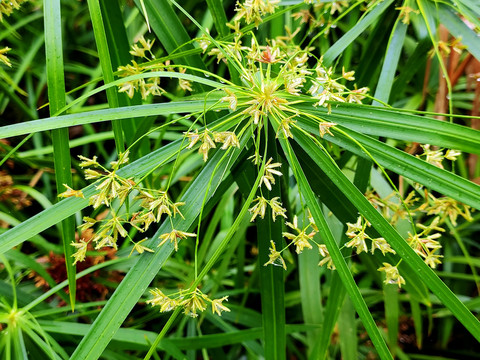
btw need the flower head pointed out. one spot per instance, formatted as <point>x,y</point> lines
<point>432,259</point>
<point>138,247</point>
<point>356,232</point>
<point>86,162</point>
<point>207,142</point>
<point>452,154</point>
<point>268,172</point>
<point>447,207</point>
<point>284,127</point>
<point>160,299</point>
<point>253,10</point>
<point>259,208</point>
<point>382,245</point>
<point>277,209</point>
<point>218,307</point>
<point>193,304</point>
<point>327,259</point>
<point>392,275</point>
<point>70,192</point>
<point>231,98</point>
<point>228,138</point>
<point>275,257</point>
<point>301,240</point>
<point>358,242</point>
<point>174,236</point>
<point>354,228</point>
<point>81,252</point>
<point>324,128</point>
<point>3,57</point>
<point>158,203</point>
<point>433,156</point>
<point>145,45</point>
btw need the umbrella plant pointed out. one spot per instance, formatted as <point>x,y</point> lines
<point>299,131</point>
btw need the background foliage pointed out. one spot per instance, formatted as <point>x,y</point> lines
<point>66,90</point>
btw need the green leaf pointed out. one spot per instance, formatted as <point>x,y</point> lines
<point>392,314</point>
<point>405,164</point>
<point>460,30</point>
<point>310,293</point>
<point>415,263</point>
<point>106,63</point>
<point>170,31</point>
<point>417,321</point>
<point>374,48</point>
<point>272,278</point>
<point>332,311</point>
<point>340,264</point>
<point>219,17</point>
<point>139,277</point>
<point>390,64</point>
<point>414,64</point>
<point>340,45</point>
<point>399,125</point>
<point>105,115</point>
<point>347,331</point>
<point>118,48</point>
<point>41,343</point>
<point>133,339</point>
<point>69,206</point>
<point>60,139</point>
<point>87,139</point>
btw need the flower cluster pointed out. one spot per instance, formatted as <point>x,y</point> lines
<point>405,13</point>
<point>275,257</point>
<point>446,47</point>
<point>270,169</point>
<point>302,237</point>
<point>3,57</point>
<point>208,138</point>
<point>326,88</point>
<point>391,207</point>
<point>150,86</point>
<point>261,203</point>
<point>321,14</point>
<point>274,77</point>
<point>7,7</point>
<point>192,302</point>
<point>260,208</point>
<point>331,7</point>
<point>266,95</point>
<point>357,235</point>
<point>254,10</point>
<point>174,236</point>
<point>155,203</point>
<point>392,276</point>
<point>113,192</point>
<point>111,185</point>
<point>446,207</point>
<point>426,244</point>
<point>327,259</point>
<point>436,156</point>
